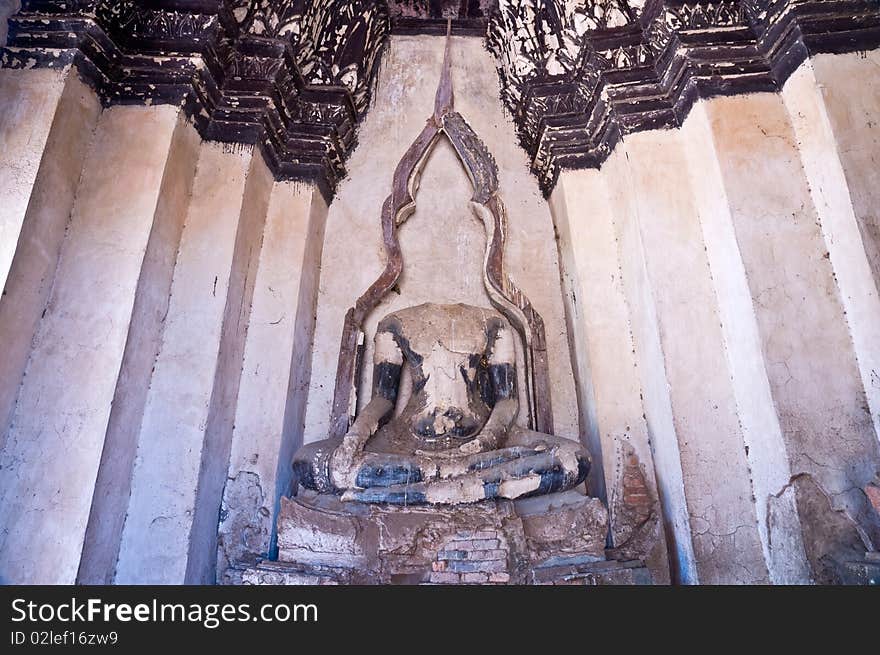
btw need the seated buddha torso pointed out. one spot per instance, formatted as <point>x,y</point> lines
<point>447,349</point>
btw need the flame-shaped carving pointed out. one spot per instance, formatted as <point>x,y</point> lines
<point>489,209</point>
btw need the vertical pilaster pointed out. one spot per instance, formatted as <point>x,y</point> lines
<point>809,350</point>
<point>52,453</point>
<point>29,102</point>
<point>201,561</point>
<point>275,369</point>
<point>778,524</point>
<point>849,87</point>
<point>158,515</point>
<point>651,367</point>
<point>721,515</point>
<point>606,375</point>
<point>839,142</point>
<point>45,143</point>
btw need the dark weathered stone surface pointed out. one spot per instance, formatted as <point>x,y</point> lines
<point>872,492</point>
<point>557,538</point>
<point>379,544</point>
<point>835,544</point>
<point>323,531</point>
<point>272,573</point>
<point>7,8</point>
<point>592,574</point>
<point>864,571</point>
<point>563,525</point>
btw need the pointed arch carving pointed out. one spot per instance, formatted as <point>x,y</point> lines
<point>504,295</point>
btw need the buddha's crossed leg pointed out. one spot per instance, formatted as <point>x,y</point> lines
<point>532,463</point>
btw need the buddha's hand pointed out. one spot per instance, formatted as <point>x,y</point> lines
<point>343,467</point>
<point>452,453</point>
<point>470,448</point>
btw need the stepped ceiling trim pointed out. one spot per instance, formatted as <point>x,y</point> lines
<point>578,76</point>
<point>291,76</point>
<point>294,76</point>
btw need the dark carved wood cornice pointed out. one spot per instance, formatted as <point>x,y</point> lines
<point>575,83</point>
<point>468,17</point>
<point>294,76</point>
<point>290,76</point>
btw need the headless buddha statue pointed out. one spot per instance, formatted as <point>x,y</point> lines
<point>455,441</point>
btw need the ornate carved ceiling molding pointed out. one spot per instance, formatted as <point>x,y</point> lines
<point>291,76</point>
<point>431,16</point>
<point>294,76</point>
<point>578,75</point>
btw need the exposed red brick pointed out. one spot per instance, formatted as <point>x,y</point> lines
<point>872,491</point>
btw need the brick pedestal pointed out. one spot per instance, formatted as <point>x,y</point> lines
<point>553,539</point>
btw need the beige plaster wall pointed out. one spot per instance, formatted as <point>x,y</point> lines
<point>718,297</point>
<point>37,242</point>
<point>663,210</point>
<point>151,305</point>
<point>51,456</point>
<point>835,114</point>
<point>164,477</point>
<point>747,281</point>
<point>202,558</point>
<point>810,355</point>
<point>849,86</point>
<point>28,102</point>
<point>269,418</point>
<point>442,243</point>
<point>765,463</point>
<point>606,373</point>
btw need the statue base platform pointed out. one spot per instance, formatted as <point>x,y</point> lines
<point>552,539</point>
